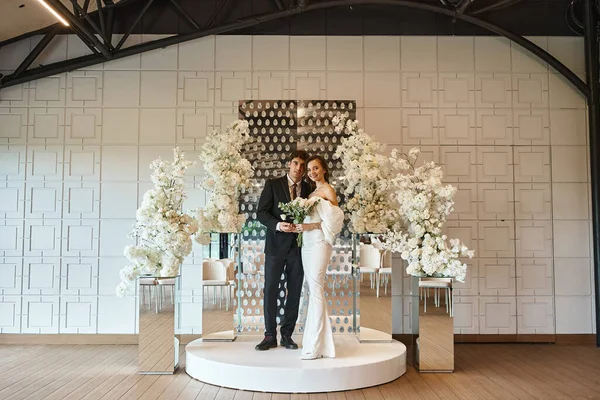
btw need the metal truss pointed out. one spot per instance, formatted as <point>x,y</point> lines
<point>98,36</point>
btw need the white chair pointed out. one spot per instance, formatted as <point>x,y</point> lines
<point>162,284</point>
<point>369,263</point>
<point>150,285</point>
<point>214,274</point>
<point>425,284</point>
<point>385,270</point>
<point>230,267</point>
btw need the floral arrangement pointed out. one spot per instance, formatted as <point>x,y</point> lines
<point>368,175</point>
<point>425,203</point>
<point>298,209</point>
<point>228,174</point>
<point>163,231</point>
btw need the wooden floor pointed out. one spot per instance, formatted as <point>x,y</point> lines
<point>483,371</point>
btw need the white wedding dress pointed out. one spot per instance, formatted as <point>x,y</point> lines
<point>317,340</point>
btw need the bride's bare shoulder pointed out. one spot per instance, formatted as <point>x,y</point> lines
<point>330,195</point>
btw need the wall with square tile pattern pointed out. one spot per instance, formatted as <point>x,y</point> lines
<point>510,133</point>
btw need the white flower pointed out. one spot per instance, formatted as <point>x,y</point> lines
<point>424,205</point>
<point>228,174</point>
<point>414,152</point>
<point>162,229</point>
<point>283,217</point>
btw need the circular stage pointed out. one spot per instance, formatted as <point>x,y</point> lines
<point>237,365</point>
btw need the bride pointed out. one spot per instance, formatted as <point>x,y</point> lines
<point>320,229</point>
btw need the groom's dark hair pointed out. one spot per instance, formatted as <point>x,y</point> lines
<point>298,154</point>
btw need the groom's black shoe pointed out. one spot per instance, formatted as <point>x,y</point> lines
<point>268,342</point>
<point>288,342</point>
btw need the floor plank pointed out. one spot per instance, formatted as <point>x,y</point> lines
<point>482,371</point>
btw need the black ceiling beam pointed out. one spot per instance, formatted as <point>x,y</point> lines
<point>109,5</point>
<point>80,28</point>
<point>186,16</point>
<point>255,20</point>
<point>132,26</point>
<point>592,63</point>
<point>91,22</point>
<point>42,44</point>
<point>37,32</point>
<point>496,6</point>
<point>102,23</point>
<point>216,13</point>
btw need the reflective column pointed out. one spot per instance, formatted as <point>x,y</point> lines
<point>158,344</point>
<point>433,324</point>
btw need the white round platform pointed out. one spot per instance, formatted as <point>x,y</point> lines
<point>238,365</point>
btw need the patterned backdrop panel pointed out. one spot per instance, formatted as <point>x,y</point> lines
<point>279,127</point>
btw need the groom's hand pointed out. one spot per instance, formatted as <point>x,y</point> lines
<point>286,227</point>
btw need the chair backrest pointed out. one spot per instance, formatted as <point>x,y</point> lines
<point>228,263</point>
<point>369,256</point>
<point>213,270</point>
<point>387,260</point>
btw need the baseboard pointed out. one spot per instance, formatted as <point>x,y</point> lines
<point>80,339</point>
<point>68,339</point>
<point>576,339</point>
<point>9,338</point>
<point>579,339</point>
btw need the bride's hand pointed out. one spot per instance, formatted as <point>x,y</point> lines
<point>307,227</point>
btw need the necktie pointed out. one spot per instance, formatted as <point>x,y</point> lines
<point>293,191</point>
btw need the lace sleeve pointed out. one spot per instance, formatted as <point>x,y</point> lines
<point>332,220</point>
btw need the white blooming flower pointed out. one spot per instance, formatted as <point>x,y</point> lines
<point>228,174</point>
<point>424,205</point>
<point>161,227</point>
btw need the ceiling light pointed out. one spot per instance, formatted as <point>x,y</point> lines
<point>57,15</point>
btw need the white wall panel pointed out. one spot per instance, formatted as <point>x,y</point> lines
<point>530,90</point>
<point>40,314</point>
<point>308,53</point>
<point>344,53</point>
<point>197,55</point>
<point>418,53</point>
<point>233,53</point>
<point>456,54</point>
<point>83,125</point>
<point>531,127</point>
<point>12,199</point>
<point>492,54</point>
<point>11,276</point>
<point>79,276</point>
<point>121,88</point>
<point>78,314</point>
<point>381,53</point>
<point>10,314</point>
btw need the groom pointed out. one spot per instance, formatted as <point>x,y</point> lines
<point>281,250</point>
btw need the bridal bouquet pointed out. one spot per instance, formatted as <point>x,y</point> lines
<point>425,203</point>
<point>228,174</point>
<point>298,209</point>
<point>163,231</point>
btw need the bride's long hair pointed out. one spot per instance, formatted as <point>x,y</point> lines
<point>323,165</point>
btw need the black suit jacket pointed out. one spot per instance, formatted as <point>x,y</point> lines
<point>268,213</point>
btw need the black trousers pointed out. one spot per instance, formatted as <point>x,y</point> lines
<point>274,267</point>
